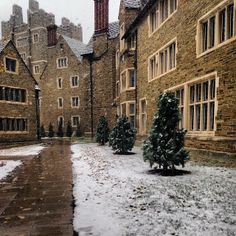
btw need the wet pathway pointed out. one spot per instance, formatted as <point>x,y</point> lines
<point>38,199</point>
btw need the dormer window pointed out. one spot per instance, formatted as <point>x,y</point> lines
<point>11,65</point>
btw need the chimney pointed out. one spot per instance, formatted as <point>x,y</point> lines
<point>101,15</point>
<point>52,35</point>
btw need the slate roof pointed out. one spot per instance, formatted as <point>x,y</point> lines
<point>132,3</point>
<point>113,32</point>
<point>76,46</point>
<point>2,46</point>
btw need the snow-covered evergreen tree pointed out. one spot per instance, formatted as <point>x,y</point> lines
<point>60,132</point>
<point>42,131</point>
<point>122,137</point>
<point>69,130</point>
<point>102,134</point>
<point>50,131</point>
<point>165,144</point>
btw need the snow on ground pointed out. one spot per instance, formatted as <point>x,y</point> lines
<point>6,167</point>
<point>116,195</point>
<point>22,151</point>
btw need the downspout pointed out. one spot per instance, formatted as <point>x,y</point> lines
<point>37,90</point>
<point>91,92</point>
<point>136,74</point>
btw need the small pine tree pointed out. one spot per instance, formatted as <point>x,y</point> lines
<point>102,134</point>
<point>165,144</point>
<point>69,130</point>
<point>50,131</point>
<point>78,131</point>
<point>122,137</point>
<point>60,131</point>
<point>42,131</point>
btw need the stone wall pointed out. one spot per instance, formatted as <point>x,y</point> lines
<point>22,80</point>
<point>182,25</point>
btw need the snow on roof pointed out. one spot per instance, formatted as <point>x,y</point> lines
<point>113,32</point>
<point>132,3</point>
<point>76,46</point>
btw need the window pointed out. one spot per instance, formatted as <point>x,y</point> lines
<point>128,79</point>
<point>123,81</point>
<point>75,101</point>
<point>179,94</point>
<point>132,42</point>
<point>162,61</point>
<point>11,65</point>
<point>23,56</point>
<point>123,109</point>
<point>132,78</point>
<point>197,105</point>
<point>122,41</point>
<point>160,13</point>
<point>131,114</point>
<point>59,83</point>
<point>217,28</point>
<point>74,81</point>
<point>60,102</point>
<point>12,94</point>
<point>13,124</point>
<point>117,88</point>
<point>36,69</point>
<point>35,38</point>
<point>60,120</point>
<point>117,59</point>
<point>202,106</point>
<point>75,120</point>
<point>22,42</point>
<point>143,116</point>
<point>62,62</point>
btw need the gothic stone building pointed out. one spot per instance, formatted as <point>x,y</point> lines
<point>189,48</point>
<point>18,97</point>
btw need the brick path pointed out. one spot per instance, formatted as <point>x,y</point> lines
<point>38,200</point>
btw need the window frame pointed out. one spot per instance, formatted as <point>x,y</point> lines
<point>16,65</point>
<point>61,79</point>
<point>75,97</point>
<point>63,66</point>
<point>34,69</point>
<point>33,38</point>
<point>14,119</point>
<point>142,128</point>
<point>71,81</point>
<point>215,12</point>
<point>60,103</point>
<point>72,123</point>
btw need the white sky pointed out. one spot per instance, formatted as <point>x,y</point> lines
<point>78,11</point>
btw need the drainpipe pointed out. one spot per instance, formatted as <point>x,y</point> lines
<point>136,74</point>
<point>91,92</point>
<point>37,90</point>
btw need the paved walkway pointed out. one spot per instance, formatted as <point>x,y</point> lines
<point>38,199</point>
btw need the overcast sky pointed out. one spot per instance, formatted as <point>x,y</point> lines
<point>78,11</point>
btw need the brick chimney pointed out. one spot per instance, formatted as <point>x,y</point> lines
<point>101,15</point>
<point>52,35</point>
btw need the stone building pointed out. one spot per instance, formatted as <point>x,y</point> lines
<point>18,97</point>
<point>189,48</point>
<point>100,55</point>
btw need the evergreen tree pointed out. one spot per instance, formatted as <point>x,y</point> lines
<point>78,131</point>
<point>50,131</point>
<point>69,130</point>
<point>60,131</point>
<point>122,137</point>
<point>102,135</point>
<point>165,144</point>
<point>42,131</point>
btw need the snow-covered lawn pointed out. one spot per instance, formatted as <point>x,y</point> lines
<point>22,151</point>
<point>6,167</point>
<point>116,195</point>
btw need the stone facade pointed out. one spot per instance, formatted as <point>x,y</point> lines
<point>191,68</point>
<point>18,98</point>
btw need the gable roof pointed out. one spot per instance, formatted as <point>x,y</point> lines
<point>113,32</point>
<point>76,46</point>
